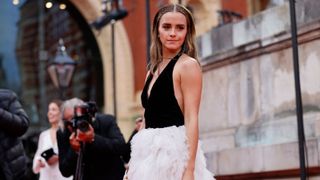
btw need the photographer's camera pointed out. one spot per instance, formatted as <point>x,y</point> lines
<point>83,116</point>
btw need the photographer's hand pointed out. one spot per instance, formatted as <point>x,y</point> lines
<point>87,136</point>
<point>75,144</point>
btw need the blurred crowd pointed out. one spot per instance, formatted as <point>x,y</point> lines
<point>80,143</point>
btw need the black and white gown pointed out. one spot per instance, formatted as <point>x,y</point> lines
<point>160,151</point>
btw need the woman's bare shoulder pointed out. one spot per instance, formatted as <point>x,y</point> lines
<point>188,63</point>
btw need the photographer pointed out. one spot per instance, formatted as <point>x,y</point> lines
<point>103,143</point>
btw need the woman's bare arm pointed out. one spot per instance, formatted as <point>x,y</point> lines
<point>191,87</point>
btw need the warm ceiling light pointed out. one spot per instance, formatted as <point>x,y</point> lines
<point>49,5</point>
<point>62,6</point>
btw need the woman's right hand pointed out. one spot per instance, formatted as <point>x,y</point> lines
<point>38,165</point>
<point>41,164</point>
<point>188,175</point>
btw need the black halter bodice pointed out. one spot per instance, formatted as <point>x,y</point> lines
<point>161,107</point>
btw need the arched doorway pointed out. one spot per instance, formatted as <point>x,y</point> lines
<point>39,30</point>
<point>124,66</point>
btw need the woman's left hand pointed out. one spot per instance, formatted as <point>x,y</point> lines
<point>188,175</point>
<point>54,159</point>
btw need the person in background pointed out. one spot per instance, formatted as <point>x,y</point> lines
<point>103,140</point>
<point>126,156</point>
<point>46,159</point>
<point>168,146</point>
<point>14,122</point>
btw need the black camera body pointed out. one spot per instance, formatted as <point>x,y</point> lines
<point>83,116</point>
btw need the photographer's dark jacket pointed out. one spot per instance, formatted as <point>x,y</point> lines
<point>101,157</point>
<point>14,123</point>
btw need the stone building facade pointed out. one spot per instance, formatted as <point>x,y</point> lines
<point>248,111</point>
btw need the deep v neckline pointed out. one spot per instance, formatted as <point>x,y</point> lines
<point>150,88</point>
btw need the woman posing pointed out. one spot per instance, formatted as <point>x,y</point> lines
<point>168,146</point>
<point>46,159</point>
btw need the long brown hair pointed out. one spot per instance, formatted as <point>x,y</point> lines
<point>188,46</point>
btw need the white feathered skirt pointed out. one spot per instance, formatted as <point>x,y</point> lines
<point>162,154</point>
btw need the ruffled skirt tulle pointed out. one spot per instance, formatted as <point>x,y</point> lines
<point>162,154</point>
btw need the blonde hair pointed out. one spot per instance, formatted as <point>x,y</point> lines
<point>188,46</point>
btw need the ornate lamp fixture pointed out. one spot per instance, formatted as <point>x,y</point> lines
<point>61,68</point>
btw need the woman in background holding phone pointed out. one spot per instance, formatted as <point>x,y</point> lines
<point>46,159</point>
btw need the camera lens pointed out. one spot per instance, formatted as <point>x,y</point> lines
<point>83,125</point>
